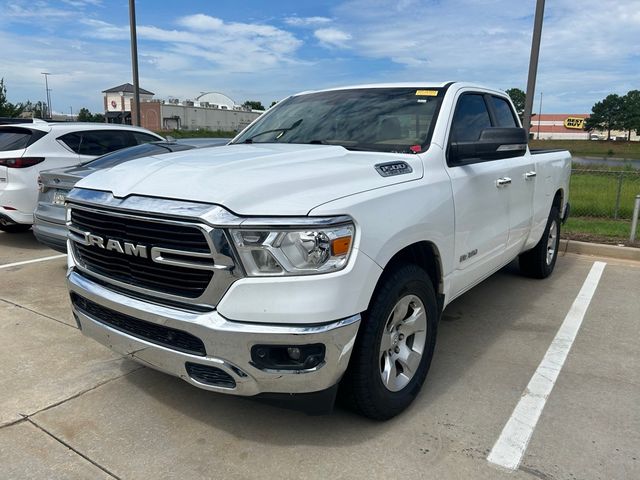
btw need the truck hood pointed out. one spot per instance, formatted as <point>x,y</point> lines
<point>254,179</point>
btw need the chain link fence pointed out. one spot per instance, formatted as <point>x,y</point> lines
<point>603,194</point>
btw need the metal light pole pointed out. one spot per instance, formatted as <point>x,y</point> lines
<point>539,115</point>
<point>533,64</point>
<point>48,92</point>
<point>134,61</point>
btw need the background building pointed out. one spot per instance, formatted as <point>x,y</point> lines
<point>570,126</point>
<point>559,126</point>
<point>210,111</point>
<point>117,102</point>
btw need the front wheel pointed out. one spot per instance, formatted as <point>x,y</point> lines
<point>395,345</point>
<point>541,259</point>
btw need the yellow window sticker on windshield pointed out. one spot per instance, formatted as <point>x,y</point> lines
<point>427,93</point>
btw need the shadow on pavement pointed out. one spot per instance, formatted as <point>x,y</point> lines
<point>22,240</point>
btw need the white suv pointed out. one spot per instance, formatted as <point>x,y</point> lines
<point>28,148</point>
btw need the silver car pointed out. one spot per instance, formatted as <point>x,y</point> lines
<point>49,224</point>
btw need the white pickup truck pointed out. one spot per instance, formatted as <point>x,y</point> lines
<point>318,249</point>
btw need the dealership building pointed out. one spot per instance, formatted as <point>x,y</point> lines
<point>210,111</point>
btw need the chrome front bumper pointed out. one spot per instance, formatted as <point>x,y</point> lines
<point>227,343</point>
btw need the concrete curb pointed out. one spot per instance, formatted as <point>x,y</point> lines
<point>600,250</point>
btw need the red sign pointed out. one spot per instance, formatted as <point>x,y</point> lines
<point>113,103</point>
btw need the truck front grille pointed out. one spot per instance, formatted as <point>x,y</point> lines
<point>138,230</point>
<point>143,271</point>
<point>151,332</point>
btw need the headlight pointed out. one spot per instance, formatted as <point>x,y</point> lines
<point>303,251</point>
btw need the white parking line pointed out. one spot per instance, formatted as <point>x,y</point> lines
<point>514,439</point>
<point>35,260</point>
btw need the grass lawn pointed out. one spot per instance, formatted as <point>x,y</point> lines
<point>600,230</point>
<point>595,148</point>
<point>595,194</point>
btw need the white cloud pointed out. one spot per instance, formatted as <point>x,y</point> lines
<point>332,37</point>
<point>583,49</point>
<point>234,46</point>
<point>104,30</point>
<point>306,21</point>
<point>18,11</point>
<point>83,3</point>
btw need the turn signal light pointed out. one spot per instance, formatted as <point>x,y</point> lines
<point>340,246</point>
<point>22,162</point>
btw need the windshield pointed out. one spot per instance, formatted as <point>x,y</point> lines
<point>146,149</point>
<point>375,119</point>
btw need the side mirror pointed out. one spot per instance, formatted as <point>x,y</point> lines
<point>494,143</point>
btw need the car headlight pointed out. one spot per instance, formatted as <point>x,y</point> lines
<point>294,250</point>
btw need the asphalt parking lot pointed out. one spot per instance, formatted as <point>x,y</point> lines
<point>69,408</point>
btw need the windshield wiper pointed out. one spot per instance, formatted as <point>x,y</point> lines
<point>282,131</point>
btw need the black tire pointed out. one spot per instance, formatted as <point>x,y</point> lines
<point>536,263</point>
<point>362,388</point>
<point>15,228</point>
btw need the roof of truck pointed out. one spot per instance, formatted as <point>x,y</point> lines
<point>417,84</point>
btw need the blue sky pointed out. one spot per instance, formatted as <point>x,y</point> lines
<point>268,50</point>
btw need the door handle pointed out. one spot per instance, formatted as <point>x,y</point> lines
<point>503,182</point>
<point>530,175</point>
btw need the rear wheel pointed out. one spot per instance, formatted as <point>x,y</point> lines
<point>540,261</point>
<point>15,227</point>
<point>395,345</point>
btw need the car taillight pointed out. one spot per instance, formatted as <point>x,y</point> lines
<point>22,162</point>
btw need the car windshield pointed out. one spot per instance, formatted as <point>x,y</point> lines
<point>120,156</point>
<point>374,119</point>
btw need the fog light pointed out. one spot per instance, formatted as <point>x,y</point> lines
<point>287,357</point>
<point>261,352</point>
<point>294,353</point>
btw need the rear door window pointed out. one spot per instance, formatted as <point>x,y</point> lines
<point>144,138</point>
<point>503,112</point>
<point>470,118</point>
<point>98,142</point>
<point>14,138</point>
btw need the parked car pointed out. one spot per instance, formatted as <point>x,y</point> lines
<point>320,247</point>
<point>49,224</point>
<point>203,142</point>
<point>28,148</point>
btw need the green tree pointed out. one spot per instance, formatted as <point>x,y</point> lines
<point>38,109</point>
<point>84,115</point>
<point>98,118</point>
<point>8,109</point>
<point>518,98</point>
<point>253,105</point>
<point>606,115</point>
<point>631,112</point>
<point>273,103</point>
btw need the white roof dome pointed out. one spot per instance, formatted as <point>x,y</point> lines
<point>216,98</point>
